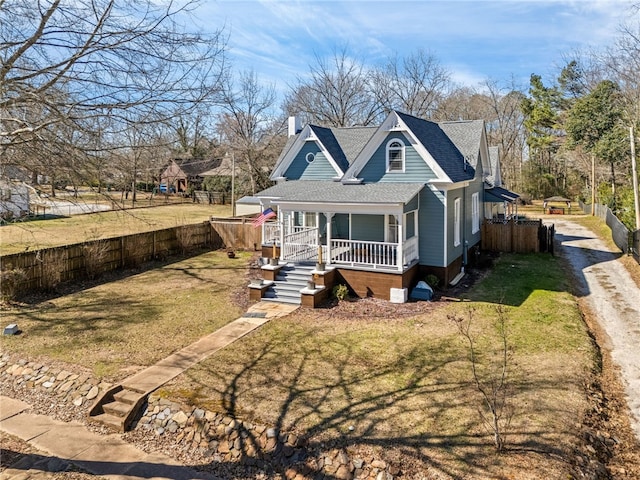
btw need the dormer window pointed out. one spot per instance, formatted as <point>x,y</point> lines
<point>395,156</point>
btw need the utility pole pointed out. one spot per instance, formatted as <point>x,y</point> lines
<point>233,184</point>
<point>593,184</point>
<point>634,171</point>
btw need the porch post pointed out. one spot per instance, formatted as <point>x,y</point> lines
<point>262,226</point>
<point>328,217</point>
<point>400,256</point>
<point>282,230</point>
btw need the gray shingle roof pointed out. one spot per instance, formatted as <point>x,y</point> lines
<point>466,136</point>
<point>353,139</point>
<point>441,148</point>
<point>326,137</point>
<point>313,191</point>
<point>195,166</point>
<point>224,168</point>
<point>450,143</point>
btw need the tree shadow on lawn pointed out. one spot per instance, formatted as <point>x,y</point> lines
<point>425,420</point>
<point>70,288</point>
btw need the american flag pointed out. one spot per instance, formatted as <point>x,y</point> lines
<point>263,217</point>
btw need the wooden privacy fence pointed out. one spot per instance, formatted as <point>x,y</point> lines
<point>46,268</point>
<point>237,233</point>
<point>517,236</point>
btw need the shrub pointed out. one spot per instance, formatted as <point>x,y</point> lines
<point>95,252</point>
<point>340,291</point>
<point>10,280</point>
<point>53,263</point>
<point>432,280</point>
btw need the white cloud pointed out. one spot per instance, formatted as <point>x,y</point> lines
<point>473,39</point>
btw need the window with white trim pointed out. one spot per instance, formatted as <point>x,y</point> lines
<point>395,156</point>
<point>310,219</point>
<point>456,222</point>
<point>475,212</point>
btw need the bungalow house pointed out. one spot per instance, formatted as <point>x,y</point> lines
<point>376,208</point>
<point>183,174</point>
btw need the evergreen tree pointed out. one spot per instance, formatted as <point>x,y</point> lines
<point>594,123</point>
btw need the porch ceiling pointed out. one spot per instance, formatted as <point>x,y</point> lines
<point>325,192</point>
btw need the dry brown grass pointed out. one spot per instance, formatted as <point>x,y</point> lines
<point>399,375</point>
<point>120,326</point>
<point>404,383</point>
<point>39,234</point>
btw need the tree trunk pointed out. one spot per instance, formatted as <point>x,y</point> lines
<point>613,184</point>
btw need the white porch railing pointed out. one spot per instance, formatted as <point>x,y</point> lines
<point>301,244</point>
<point>376,255</point>
<point>271,233</point>
<point>364,253</point>
<point>410,250</point>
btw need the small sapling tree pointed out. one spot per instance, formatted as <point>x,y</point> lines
<point>490,369</point>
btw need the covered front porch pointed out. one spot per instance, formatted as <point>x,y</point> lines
<point>382,241</point>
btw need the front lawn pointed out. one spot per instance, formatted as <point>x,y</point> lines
<point>119,327</point>
<point>402,386</point>
<point>383,380</point>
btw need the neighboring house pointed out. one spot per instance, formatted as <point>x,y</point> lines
<point>14,199</point>
<point>184,174</point>
<point>385,205</point>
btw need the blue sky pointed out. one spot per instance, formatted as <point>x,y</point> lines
<point>473,40</point>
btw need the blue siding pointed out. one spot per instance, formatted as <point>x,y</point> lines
<point>415,169</point>
<point>319,169</point>
<point>431,228</point>
<point>410,225</point>
<point>340,226</point>
<point>412,205</point>
<point>367,227</point>
<point>475,187</point>
<point>452,251</point>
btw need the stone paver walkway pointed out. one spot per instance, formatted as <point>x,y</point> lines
<point>70,442</point>
<point>157,375</point>
<point>109,456</point>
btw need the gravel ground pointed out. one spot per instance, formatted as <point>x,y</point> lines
<point>614,299</point>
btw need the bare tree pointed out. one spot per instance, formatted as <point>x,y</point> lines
<point>505,127</point>
<point>72,62</point>
<point>194,132</point>
<point>414,84</point>
<point>250,127</point>
<point>491,377</point>
<point>463,103</point>
<point>623,61</point>
<point>336,94</point>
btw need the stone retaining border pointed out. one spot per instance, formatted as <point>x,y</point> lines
<point>218,438</point>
